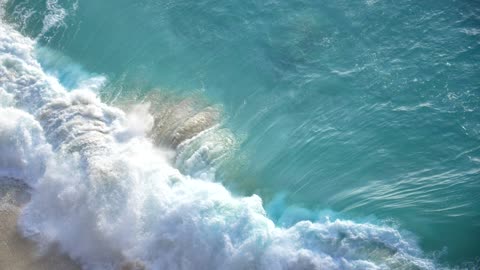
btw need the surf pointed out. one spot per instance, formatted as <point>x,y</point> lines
<point>108,197</point>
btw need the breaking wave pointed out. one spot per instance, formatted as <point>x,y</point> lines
<point>109,197</point>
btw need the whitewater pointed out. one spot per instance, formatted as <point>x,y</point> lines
<point>108,197</point>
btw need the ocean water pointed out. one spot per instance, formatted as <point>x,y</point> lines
<point>245,134</point>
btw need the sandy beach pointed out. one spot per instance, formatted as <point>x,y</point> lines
<point>16,252</point>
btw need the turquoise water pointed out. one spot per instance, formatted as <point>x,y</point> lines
<point>368,110</point>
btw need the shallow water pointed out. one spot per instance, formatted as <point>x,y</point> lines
<point>366,111</point>
<point>17,253</point>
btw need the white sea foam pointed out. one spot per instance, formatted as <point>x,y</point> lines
<point>55,15</point>
<point>23,149</point>
<point>109,198</point>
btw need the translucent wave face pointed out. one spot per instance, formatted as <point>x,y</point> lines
<point>109,198</point>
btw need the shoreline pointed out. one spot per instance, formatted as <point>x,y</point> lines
<point>17,252</point>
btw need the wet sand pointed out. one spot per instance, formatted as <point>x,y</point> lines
<point>16,252</point>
